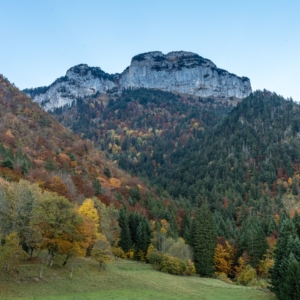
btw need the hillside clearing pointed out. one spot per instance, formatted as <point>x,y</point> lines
<point>121,280</point>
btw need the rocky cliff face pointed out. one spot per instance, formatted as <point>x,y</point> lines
<point>80,81</point>
<point>183,72</point>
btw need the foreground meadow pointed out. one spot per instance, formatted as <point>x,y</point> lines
<point>121,280</point>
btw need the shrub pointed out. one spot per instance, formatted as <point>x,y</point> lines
<point>247,276</point>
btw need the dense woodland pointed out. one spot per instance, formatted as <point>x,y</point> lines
<point>218,195</point>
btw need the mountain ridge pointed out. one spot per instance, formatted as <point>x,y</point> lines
<point>177,71</point>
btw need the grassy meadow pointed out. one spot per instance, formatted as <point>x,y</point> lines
<point>121,280</point>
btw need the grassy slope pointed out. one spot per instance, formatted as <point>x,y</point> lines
<point>121,280</point>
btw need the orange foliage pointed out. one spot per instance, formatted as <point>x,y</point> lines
<point>115,182</point>
<point>57,186</point>
<point>223,258</point>
<point>11,175</point>
<point>64,159</point>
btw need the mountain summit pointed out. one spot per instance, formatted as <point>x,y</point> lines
<point>180,72</point>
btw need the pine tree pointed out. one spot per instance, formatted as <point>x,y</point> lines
<point>185,231</point>
<point>107,172</point>
<point>284,247</point>
<point>133,222</point>
<point>291,286</point>
<point>125,239</point>
<point>204,241</point>
<point>296,221</point>
<point>252,240</point>
<point>97,186</point>
<point>8,163</point>
<point>49,165</point>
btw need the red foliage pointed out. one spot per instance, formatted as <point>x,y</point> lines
<point>83,186</point>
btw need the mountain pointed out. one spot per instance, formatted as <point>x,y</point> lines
<point>180,72</point>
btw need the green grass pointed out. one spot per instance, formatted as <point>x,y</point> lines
<point>121,280</point>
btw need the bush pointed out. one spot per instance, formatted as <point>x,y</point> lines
<point>171,264</point>
<point>118,252</point>
<point>247,276</point>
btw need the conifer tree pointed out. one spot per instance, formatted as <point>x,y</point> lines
<point>97,186</point>
<point>252,240</point>
<point>291,286</point>
<point>49,165</point>
<point>296,221</point>
<point>8,163</point>
<point>125,240</point>
<point>204,241</point>
<point>107,172</point>
<point>286,244</point>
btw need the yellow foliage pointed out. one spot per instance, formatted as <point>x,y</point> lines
<point>141,255</point>
<point>88,209</point>
<point>130,254</point>
<point>277,219</point>
<point>74,164</point>
<point>247,275</point>
<point>190,268</point>
<point>240,267</point>
<point>149,250</point>
<point>268,262</point>
<point>164,223</point>
<point>290,181</point>
<point>265,265</point>
<point>118,252</point>
<point>163,230</point>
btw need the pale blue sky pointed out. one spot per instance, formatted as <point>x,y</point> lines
<point>41,39</point>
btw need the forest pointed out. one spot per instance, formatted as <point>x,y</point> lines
<point>208,187</point>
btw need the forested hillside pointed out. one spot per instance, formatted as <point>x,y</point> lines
<point>219,182</point>
<point>35,147</point>
<point>242,161</point>
<point>58,193</point>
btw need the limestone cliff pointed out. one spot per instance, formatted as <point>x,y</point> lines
<point>183,72</point>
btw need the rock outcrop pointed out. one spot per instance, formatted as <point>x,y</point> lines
<point>182,72</point>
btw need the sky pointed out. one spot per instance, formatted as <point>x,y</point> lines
<point>41,39</point>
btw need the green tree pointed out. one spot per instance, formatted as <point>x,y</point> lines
<point>288,243</point>
<point>291,286</point>
<point>107,172</point>
<point>8,163</point>
<point>49,165</point>
<point>204,241</point>
<point>97,186</point>
<point>252,240</point>
<point>125,240</point>
<point>71,156</point>
<point>59,224</point>
<point>101,251</point>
